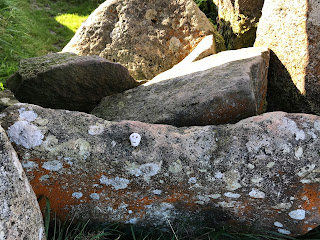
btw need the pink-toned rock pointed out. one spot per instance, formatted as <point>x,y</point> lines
<point>291,30</point>
<point>147,37</point>
<point>260,173</point>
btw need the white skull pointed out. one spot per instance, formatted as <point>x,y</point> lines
<point>135,139</point>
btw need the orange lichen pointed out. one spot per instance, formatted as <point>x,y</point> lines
<point>311,191</point>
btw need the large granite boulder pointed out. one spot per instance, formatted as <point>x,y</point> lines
<point>68,81</point>
<point>222,88</point>
<point>291,29</point>
<point>147,37</point>
<point>260,173</point>
<point>237,21</point>
<point>20,216</point>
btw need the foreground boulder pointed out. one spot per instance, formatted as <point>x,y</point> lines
<point>291,30</point>
<point>261,173</point>
<point>20,216</point>
<point>222,88</point>
<point>67,81</point>
<point>147,37</point>
<point>237,21</point>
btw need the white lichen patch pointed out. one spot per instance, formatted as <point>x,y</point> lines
<point>218,175</point>
<point>157,191</point>
<point>299,152</point>
<point>29,164</point>
<point>215,196</point>
<point>54,165</point>
<point>95,196</point>
<point>256,179</point>
<point>232,178</point>
<point>41,121</point>
<point>50,143</point>
<point>298,214</point>
<point>77,195</point>
<point>282,206</point>
<point>270,164</point>
<point>291,126</point>
<point>230,204</point>
<point>44,177</point>
<point>25,134</point>
<point>255,193</point>
<point>117,182</point>
<point>96,129</point>
<point>175,167</point>
<point>161,213</point>
<point>305,170</point>
<point>146,170</point>
<point>232,195</point>
<point>317,125</point>
<point>133,220</point>
<point>28,116</point>
<point>284,231</point>
<point>250,166</point>
<point>278,224</point>
<point>192,180</point>
<point>83,147</point>
<point>204,199</point>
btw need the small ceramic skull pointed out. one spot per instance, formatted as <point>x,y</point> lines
<point>135,139</point>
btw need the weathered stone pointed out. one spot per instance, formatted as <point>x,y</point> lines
<point>291,29</point>
<point>147,37</point>
<point>20,216</point>
<point>237,21</point>
<point>68,81</point>
<point>7,99</point>
<point>260,173</point>
<point>204,49</point>
<point>222,88</point>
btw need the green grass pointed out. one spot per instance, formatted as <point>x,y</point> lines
<point>71,20</point>
<point>30,28</point>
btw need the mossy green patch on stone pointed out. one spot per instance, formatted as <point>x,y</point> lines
<point>32,66</point>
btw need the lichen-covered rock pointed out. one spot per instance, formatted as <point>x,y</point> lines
<point>222,88</point>
<point>260,173</point>
<point>291,30</point>
<point>68,81</point>
<point>7,99</point>
<point>237,21</point>
<point>20,216</point>
<point>147,37</point>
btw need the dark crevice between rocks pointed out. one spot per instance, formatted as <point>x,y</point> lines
<point>282,94</point>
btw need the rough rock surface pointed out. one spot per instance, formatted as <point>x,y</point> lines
<point>68,81</point>
<point>20,216</point>
<point>147,37</point>
<point>262,173</point>
<point>204,49</point>
<point>237,21</point>
<point>7,99</point>
<point>291,29</point>
<point>222,88</point>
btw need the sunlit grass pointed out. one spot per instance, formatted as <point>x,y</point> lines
<point>29,28</point>
<point>71,21</point>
